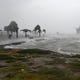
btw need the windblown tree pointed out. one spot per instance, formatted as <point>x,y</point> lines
<point>44,30</point>
<point>6,28</point>
<point>0,30</point>
<point>26,31</point>
<point>12,27</point>
<point>38,29</point>
<point>78,30</point>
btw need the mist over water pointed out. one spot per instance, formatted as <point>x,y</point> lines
<point>63,43</point>
<point>60,18</point>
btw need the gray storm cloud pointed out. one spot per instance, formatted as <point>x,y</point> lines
<point>53,15</point>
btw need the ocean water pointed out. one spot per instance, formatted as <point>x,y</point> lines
<point>63,43</point>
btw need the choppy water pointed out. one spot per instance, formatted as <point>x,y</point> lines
<point>69,44</point>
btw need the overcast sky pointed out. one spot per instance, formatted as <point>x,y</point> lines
<point>53,15</point>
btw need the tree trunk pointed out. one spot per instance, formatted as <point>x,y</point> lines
<point>16,34</point>
<point>8,33</point>
<point>39,34</point>
<point>25,34</point>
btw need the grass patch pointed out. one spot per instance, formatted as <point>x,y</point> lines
<point>54,71</point>
<point>75,66</point>
<point>9,58</point>
<point>4,50</point>
<point>19,70</point>
<point>75,56</point>
<point>34,51</point>
<point>35,76</point>
<point>5,57</point>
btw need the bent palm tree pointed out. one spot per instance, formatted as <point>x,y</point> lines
<point>9,33</point>
<point>38,29</point>
<point>78,30</point>
<point>25,31</point>
<point>12,27</point>
<point>44,30</point>
<point>0,30</point>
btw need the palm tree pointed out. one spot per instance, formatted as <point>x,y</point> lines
<point>0,30</point>
<point>6,28</point>
<point>78,30</point>
<point>12,27</point>
<point>38,29</point>
<point>25,31</point>
<point>44,30</point>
